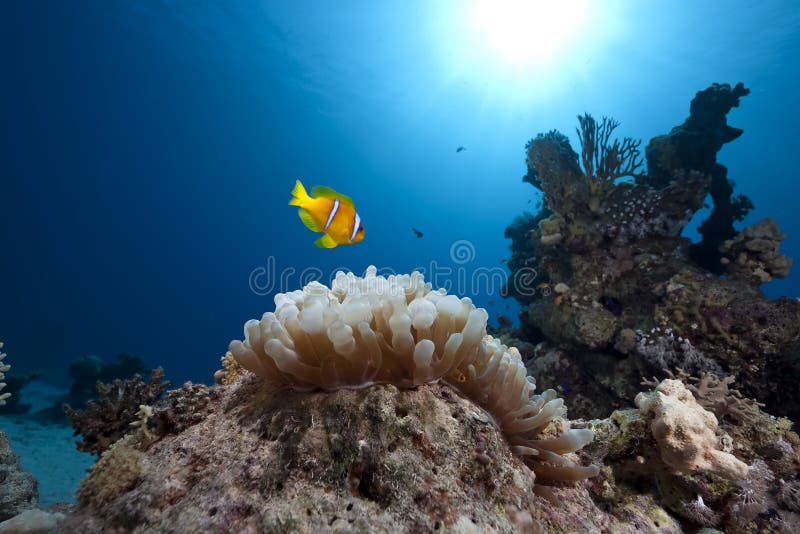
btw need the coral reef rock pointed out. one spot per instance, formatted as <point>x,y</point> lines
<point>18,489</point>
<point>641,298</point>
<point>379,459</point>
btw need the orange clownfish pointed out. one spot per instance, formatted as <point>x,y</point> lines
<point>329,212</point>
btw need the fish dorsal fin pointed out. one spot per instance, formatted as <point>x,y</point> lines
<point>327,192</point>
<point>308,220</point>
<point>325,241</point>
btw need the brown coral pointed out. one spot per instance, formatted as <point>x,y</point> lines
<point>108,418</point>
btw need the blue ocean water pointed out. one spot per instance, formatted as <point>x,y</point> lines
<point>148,150</point>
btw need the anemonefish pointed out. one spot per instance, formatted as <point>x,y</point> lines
<point>329,212</point>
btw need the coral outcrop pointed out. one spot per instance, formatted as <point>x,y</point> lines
<point>257,458</point>
<point>705,470</point>
<point>378,459</point>
<point>639,297</point>
<point>611,292</point>
<point>353,460</point>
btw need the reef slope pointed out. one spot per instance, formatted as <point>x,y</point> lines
<point>380,459</point>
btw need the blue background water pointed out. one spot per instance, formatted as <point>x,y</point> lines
<point>148,149</point>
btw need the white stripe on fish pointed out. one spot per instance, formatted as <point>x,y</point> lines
<point>334,209</point>
<point>356,224</point>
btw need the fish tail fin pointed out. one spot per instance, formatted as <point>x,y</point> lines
<point>299,194</point>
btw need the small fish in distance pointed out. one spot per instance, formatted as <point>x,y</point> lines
<point>461,149</point>
<point>417,232</point>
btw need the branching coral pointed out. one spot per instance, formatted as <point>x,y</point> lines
<point>588,200</point>
<point>369,330</point>
<point>605,161</point>
<point>714,394</point>
<point>4,367</point>
<point>107,419</point>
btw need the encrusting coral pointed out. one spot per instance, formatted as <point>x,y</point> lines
<point>684,432</point>
<point>396,330</point>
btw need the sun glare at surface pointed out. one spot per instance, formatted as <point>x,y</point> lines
<point>523,32</point>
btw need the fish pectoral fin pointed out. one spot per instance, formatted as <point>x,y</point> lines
<point>308,220</point>
<point>325,241</point>
<point>327,192</point>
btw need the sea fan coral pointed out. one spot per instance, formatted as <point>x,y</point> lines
<point>396,330</point>
<point>4,367</point>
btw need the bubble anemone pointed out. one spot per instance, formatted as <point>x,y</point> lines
<point>398,330</point>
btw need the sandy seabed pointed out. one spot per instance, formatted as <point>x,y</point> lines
<point>47,451</point>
